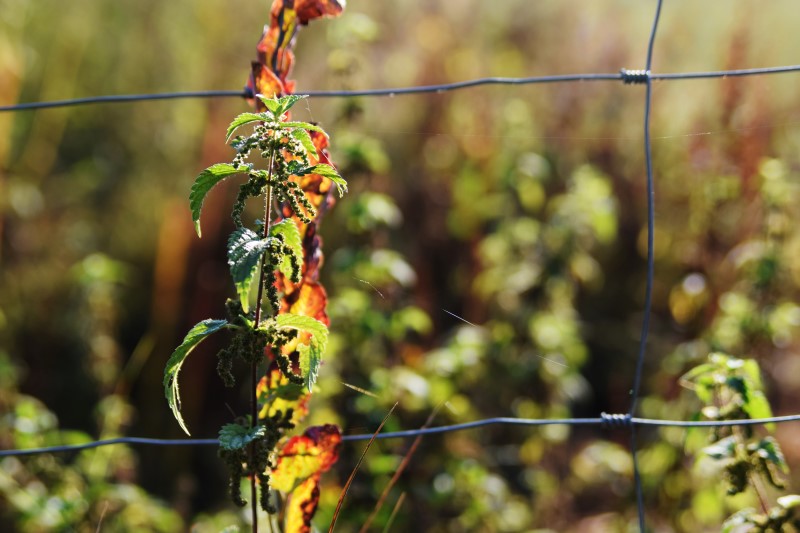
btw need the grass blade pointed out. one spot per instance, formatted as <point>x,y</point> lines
<point>401,467</point>
<point>355,469</point>
<point>392,516</point>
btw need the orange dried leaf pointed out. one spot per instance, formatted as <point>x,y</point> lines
<point>300,465</point>
<point>311,9</point>
<point>310,300</point>
<point>301,506</point>
<point>305,456</point>
<point>274,49</point>
<point>276,393</point>
<point>264,81</point>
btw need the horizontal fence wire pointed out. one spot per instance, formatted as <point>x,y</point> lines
<point>608,421</point>
<point>122,98</point>
<point>624,75</point>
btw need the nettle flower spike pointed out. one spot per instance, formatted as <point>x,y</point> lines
<point>271,136</point>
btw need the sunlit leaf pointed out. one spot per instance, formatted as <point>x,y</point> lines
<point>196,335</point>
<point>699,370</point>
<point>310,360</point>
<point>307,455</point>
<point>241,120</point>
<point>752,371</point>
<point>301,463</point>
<point>310,300</point>
<point>736,520</point>
<point>204,182</point>
<point>757,406</point>
<point>276,393</point>
<point>310,352</point>
<point>705,391</point>
<point>291,237</point>
<point>236,437</point>
<point>790,501</point>
<point>271,103</point>
<point>722,449</point>
<point>281,105</point>
<point>299,169</point>
<point>245,249</point>
<point>739,385</point>
<point>304,323</point>
<point>327,171</point>
<point>304,125</point>
<point>769,449</point>
<point>305,139</point>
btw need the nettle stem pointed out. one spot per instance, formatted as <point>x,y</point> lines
<point>262,279</point>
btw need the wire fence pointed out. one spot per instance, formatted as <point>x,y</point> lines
<point>626,420</point>
<point>624,75</point>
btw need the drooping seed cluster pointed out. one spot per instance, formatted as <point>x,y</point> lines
<point>248,344</point>
<point>286,155</point>
<point>257,459</point>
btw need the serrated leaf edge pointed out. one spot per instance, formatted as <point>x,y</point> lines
<point>192,339</point>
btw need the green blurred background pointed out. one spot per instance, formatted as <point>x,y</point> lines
<point>520,209</point>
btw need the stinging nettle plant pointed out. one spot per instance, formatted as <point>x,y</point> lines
<point>283,349</point>
<point>731,389</point>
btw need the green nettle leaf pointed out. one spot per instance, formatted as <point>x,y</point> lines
<point>310,361</point>
<point>305,139</point>
<point>757,406</point>
<point>245,118</point>
<point>245,249</point>
<point>289,392</point>
<point>298,169</point>
<point>738,519</point>
<point>291,237</point>
<point>327,171</point>
<point>311,354</point>
<point>739,385</point>
<point>722,449</point>
<point>769,449</point>
<point>789,501</point>
<point>303,125</point>
<point>699,370</point>
<point>196,335</point>
<point>236,437</point>
<point>281,105</point>
<point>271,103</point>
<point>204,182</point>
<point>705,392</point>
<point>753,373</point>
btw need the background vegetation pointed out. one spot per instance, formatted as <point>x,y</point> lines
<point>519,209</point>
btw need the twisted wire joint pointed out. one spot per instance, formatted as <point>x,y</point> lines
<point>615,421</point>
<point>634,76</point>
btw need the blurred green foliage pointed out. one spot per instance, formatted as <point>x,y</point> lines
<point>520,210</point>
<point>731,389</point>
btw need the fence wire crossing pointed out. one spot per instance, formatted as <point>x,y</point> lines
<point>610,421</point>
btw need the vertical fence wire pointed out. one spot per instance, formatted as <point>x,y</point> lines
<point>648,298</point>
